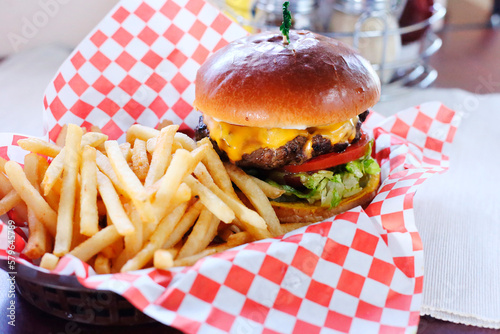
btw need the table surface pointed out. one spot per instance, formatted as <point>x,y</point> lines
<point>469,59</point>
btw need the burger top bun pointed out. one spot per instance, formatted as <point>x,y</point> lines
<point>258,81</point>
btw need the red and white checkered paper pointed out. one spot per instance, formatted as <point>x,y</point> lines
<point>360,272</point>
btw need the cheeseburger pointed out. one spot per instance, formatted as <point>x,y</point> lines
<point>291,114</point>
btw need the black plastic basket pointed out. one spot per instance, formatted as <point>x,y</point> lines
<point>64,297</point>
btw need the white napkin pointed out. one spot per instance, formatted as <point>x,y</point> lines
<point>458,214</point>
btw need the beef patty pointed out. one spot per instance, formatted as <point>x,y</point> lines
<point>290,153</point>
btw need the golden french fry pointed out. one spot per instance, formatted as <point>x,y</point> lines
<point>53,198</point>
<point>77,238</point>
<point>256,196</point>
<point>43,164</point>
<point>163,259</point>
<point>126,151</point>
<point>162,154</point>
<point>140,161</point>
<point>54,171</point>
<point>191,260</point>
<point>49,261</point>
<point>96,243</point>
<point>182,164</point>
<point>95,128</point>
<point>239,238</point>
<point>66,210</point>
<point>250,219</point>
<point>184,225</point>
<point>159,237</point>
<point>31,169</point>
<point>113,250</point>
<point>2,164</point>
<point>61,137</point>
<point>102,265</point>
<point>113,205</point>
<point>105,167</point>
<point>132,242</point>
<point>204,231</point>
<point>163,124</point>
<point>37,241</point>
<point>181,140</point>
<point>130,182</point>
<point>5,186</point>
<point>235,240</point>
<point>216,205</point>
<point>269,190</point>
<point>93,139</point>
<point>89,217</point>
<point>216,169</point>
<point>185,141</point>
<point>31,196</point>
<point>141,132</point>
<point>9,201</point>
<point>182,195</point>
<point>39,146</point>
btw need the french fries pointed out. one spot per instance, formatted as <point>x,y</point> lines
<point>96,243</point>
<point>55,169</point>
<point>214,165</point>
<point>114,206</point>
<point>139,157</point>
<point>66,210</point>
<point>31,196</point>
<point>130,182</point>
<point>158,199</point>
<point>158,238</point>
<point>39,241</point>
<point>270,191</point>
<point>102,265</point>
<point>39,146</point>
<point>9,201</point>
<point>161,154</point>
<point>252,222</point>
<point>256,196</point>
<point>89,216</point>
<point>202,234</point>
<point>49,261</point>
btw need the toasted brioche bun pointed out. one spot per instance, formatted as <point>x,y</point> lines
<point>307,213</point>
<point>258,81</point>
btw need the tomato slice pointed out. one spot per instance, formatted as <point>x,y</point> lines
<point>329,160</point>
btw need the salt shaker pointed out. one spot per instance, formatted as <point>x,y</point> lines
<point>355,16</point>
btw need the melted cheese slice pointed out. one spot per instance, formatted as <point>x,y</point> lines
<point>237,140</point>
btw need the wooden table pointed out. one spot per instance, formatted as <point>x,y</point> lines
<point>469,59</point>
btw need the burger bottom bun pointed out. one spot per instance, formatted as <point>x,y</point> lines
<point>308,213</point>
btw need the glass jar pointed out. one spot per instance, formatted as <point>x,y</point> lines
<point>268,14</point>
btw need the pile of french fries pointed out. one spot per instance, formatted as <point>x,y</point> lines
<point>158,199</point>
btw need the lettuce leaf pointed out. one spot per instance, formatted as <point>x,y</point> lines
<point>331,186</point>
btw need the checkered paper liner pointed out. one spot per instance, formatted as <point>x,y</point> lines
<point>361,271</point>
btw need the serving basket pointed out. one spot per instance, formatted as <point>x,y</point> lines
<point>64,297</point>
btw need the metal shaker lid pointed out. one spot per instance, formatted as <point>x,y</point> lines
<point>296,6</point>
<point>362,6</point>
